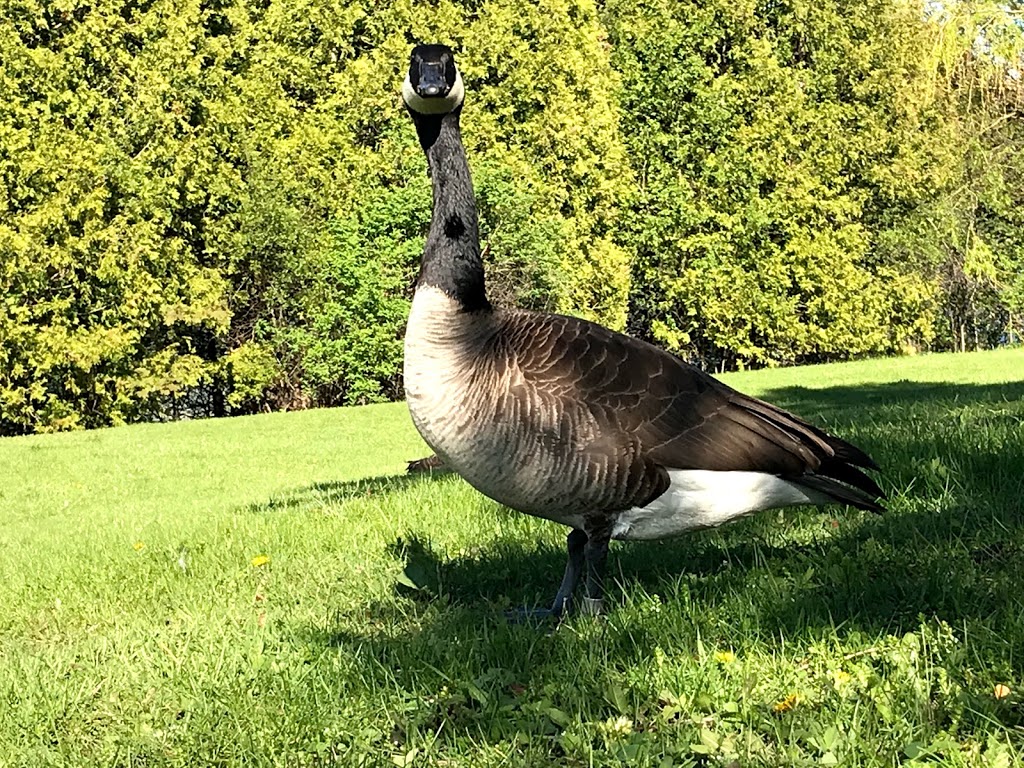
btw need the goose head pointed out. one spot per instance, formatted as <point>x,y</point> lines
<point>433,85</point>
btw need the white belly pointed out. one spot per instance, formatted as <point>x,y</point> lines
<point>700,498</point>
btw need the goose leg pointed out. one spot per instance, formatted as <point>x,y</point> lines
<point>595,553</point>
<point>576,545</point>
<point>574,566</point>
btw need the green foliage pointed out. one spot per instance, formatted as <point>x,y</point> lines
<point>217,207</point>
<point>979,260</point>
<point>228,198</point>
<point>525,243</point>
<point>108,308</point>
<point>350,302</point>
<point>778,143</point>
<point>547,101</point>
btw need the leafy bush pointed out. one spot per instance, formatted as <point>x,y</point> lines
<point>217,207</point>
<point>778,145</point>
<point>221,203</point>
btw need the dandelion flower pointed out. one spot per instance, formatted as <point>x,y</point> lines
<point>138,545</point>
<point>259,561</point>
<point>725,657</point>
<point>786,705</point>
<point>841,678</point>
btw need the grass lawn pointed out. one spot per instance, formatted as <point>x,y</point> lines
<point>274,591</point>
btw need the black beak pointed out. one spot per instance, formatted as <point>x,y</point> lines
<point>431,82</point>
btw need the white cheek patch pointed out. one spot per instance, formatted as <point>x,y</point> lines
<point>417,103</point>
<point>457,93</point>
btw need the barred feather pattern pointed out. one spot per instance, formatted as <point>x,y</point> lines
<point>564,419</point>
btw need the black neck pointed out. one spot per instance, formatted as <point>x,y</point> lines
<point>451,257</point>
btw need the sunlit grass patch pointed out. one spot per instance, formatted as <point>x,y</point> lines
<point>276,591</point>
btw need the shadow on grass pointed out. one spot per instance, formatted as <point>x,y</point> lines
<point>868,402</point>
<point>330,493</point>
<point>952,548</point>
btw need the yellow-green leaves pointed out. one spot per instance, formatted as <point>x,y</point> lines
<point>219,208</point>
<point>793,164</point>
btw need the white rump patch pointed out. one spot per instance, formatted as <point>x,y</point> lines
<point>434,106</point>
<point>700,498</point>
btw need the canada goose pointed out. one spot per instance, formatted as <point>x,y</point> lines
<point>563,419</point>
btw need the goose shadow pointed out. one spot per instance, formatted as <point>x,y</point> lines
<point>335,493</point>
<point>875,575</point>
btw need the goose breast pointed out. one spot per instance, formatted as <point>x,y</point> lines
<point>529,448</point>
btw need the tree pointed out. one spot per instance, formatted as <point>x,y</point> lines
<point>217,206</point>
<point>109,306</point>
<point>979,64</point>
<point>775,145</point>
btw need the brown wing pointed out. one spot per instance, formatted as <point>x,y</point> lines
<point>658,408</point>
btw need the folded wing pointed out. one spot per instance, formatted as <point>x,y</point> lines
<point>646,405</point>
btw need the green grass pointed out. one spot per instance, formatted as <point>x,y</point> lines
<point>137,631</point>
